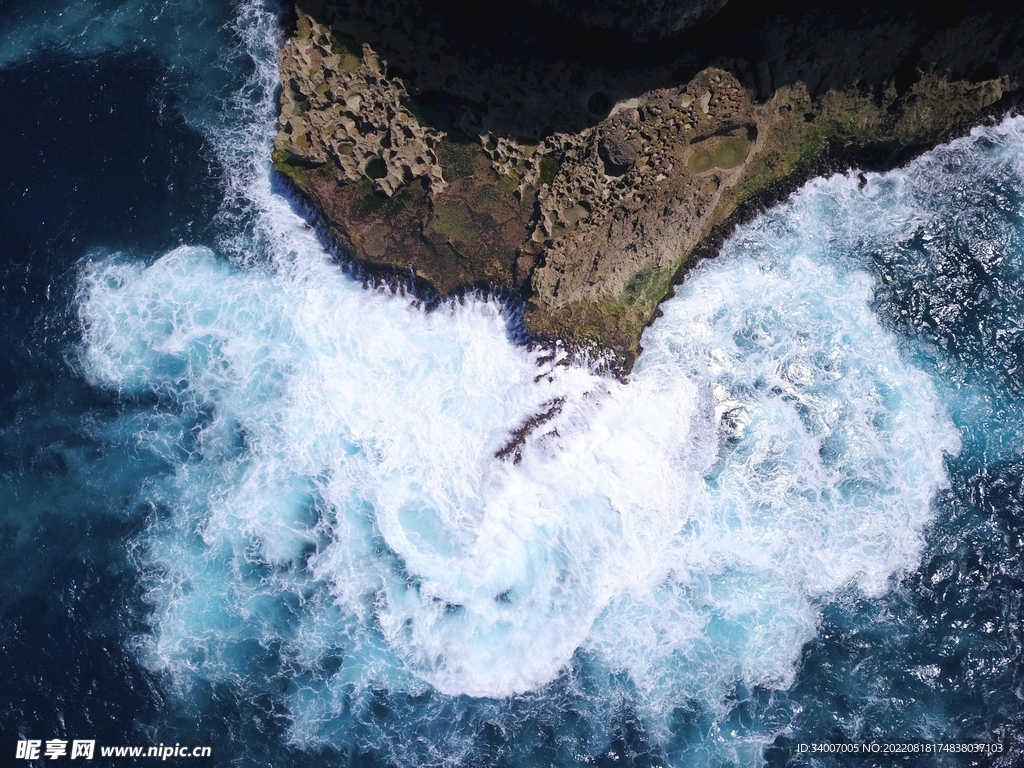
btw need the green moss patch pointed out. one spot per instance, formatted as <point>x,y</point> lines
<point>612,325</point>
<point>402,199</point>
<point>726,154</point>
<point>284,162</point>
<point>549,167</point>
<point>486,200</point>
<point>508,183</point>
<point>455,222</point>
<point>280,156</point>
<point>784,161</point>
<point>368,202</point>
<point>301,102</point>
<point>458,160</point>
<point>648,285</point>
<point>348,50</point>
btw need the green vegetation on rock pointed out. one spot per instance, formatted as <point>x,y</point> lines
<point>455,222</point>
<point>700,161</point>
<point>346,51</point>
<point>282,161</point>
<point>612,193</point>
<point>402,199</point>
<point>549,166</point>
<point>648,286</point>
<point>301,103</point>
<point>508,183</point>
<point>369,202</point>
<point>727,153</point>
<point>487,199</point>
<point>459,160</point>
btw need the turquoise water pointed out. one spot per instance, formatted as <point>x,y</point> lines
<point>264,502</point>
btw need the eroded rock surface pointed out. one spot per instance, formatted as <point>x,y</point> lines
<point>476,153</point>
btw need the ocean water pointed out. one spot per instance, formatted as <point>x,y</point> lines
<point>250,504</point>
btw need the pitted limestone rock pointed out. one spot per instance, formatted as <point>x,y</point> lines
<point>341,108</point>
<point>624,200</point>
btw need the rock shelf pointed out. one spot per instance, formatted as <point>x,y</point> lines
<point>589,187</point>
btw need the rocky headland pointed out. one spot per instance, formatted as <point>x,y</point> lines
<point>584,159</point>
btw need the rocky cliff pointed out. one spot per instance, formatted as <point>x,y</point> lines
<point>584,167</point>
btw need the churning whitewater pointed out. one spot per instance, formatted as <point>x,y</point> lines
<point>323,437</point>
<point>333,482</point>
<point>335,491</point>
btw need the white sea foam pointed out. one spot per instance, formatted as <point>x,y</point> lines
<point>391,418</point>
<point>771,448</point>
<point>334,493</point>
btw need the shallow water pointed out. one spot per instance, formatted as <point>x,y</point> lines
<point>250,504</point>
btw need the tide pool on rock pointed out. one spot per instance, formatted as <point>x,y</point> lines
<point>697,566</point>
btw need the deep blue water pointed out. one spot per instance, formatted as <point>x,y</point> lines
<point>248,504</point>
